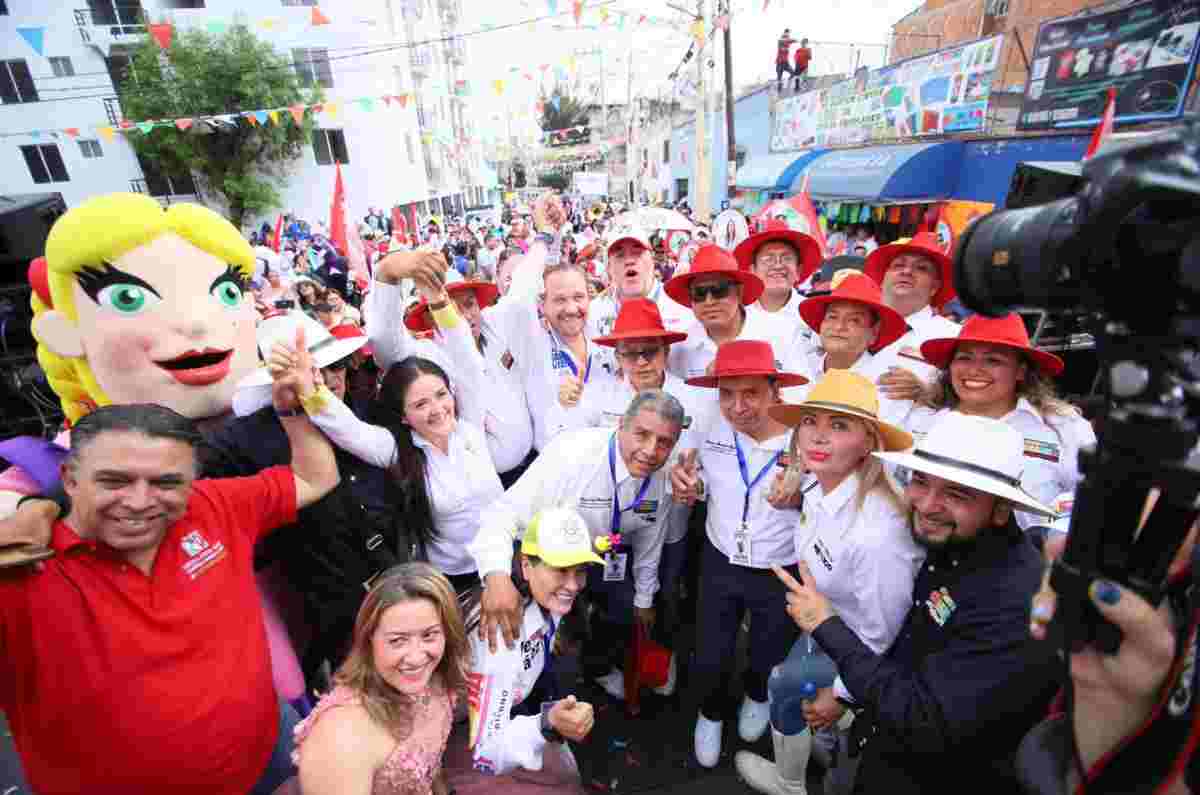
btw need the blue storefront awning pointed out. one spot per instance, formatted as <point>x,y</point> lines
<point>775,172</point>
<point>908,172</point>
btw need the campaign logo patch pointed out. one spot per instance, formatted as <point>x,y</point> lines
<point>941,606</point>
<point>646,506</point>
<point>193,544</point>
<point>1046,451</point>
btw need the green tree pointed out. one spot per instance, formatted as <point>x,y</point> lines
<point>206,75</point>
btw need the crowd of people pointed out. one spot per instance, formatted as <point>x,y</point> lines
<point>414,485</point>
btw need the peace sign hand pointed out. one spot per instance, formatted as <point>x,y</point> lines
<point>805,604</point>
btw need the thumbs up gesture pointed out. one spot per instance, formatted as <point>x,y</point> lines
<point>570,389</point>
<point>572,719</point>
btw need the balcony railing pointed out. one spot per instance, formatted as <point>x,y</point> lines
<point>164,190</point>
<point>112,108</point>
<point>121,21</point>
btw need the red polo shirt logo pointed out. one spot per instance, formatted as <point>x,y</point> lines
<point>201,555</point>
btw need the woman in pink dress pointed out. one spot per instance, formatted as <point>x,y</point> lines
<point>383,728</point>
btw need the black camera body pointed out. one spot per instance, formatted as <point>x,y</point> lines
<point>1122,252</point>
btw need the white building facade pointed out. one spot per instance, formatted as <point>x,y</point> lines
<point>56,102</point>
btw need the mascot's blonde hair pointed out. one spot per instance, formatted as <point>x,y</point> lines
<point>100,230</point>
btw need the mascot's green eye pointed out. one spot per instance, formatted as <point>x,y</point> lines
<point>128,299</point>
<point>229,294</point>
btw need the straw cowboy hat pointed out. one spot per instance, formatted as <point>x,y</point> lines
<point>778,231</point>
<point>923,243</point>
<point>418,319</point>
<point>1008,331</point>
<point>844,392</point>
<point>324,347</point>
<point>746,358</point>
<point>860,289</point>
<point>712,260</point>
<point>639,319</point>
<point>977,452</point>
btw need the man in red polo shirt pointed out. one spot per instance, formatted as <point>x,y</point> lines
<point>135,660</point>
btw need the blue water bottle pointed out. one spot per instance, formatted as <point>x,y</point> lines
<point>795,681</point>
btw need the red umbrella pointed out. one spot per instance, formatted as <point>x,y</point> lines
<point>797,212</point>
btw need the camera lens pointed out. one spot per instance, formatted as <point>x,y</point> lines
<point>1012,258</point>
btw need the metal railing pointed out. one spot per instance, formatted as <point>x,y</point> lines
<point>142,186</point>
<point>112,109</point>
<point>121,20</point>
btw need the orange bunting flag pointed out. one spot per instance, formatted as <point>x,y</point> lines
<point>332,109</point>
<point>578,4</point>
<point>318,18</point>
<point>403,100</point>
<point>250,118</point>
<point>72,132</point>
<point>297,112</point>
<point>105,132</point>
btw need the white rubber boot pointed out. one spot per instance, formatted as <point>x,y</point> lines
<point>786,776</point>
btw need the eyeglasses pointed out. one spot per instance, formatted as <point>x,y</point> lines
<point>642,354</point>
<point>717,291</point>
<point>771,260</point>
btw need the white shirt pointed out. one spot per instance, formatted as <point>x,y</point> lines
<point>868,365</point>
<point>691,357</point>
<point>863,560</point>
<point>787,332</point>
<point>500,680</point>
<point>573,472</point>
<point>772,531</point>
<point>602,314</point>
<point>459,482</point>
<point>905,352</point>
<point>489,394</point>
<point>1051,450</point>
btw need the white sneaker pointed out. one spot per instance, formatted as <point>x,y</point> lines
<point>613,683</point>
<point>753,718</point>
<point>708,741</point>
<point>669,687</point>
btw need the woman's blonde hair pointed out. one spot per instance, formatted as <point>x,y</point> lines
<point>872,476</point>
<point>405,583</point>
<point>97,231</point>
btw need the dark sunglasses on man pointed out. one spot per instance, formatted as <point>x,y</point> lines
<point>639,354</point>
<point>717,291</point>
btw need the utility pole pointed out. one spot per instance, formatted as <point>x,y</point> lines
<point>632,161</point>
<point>731,153</point>
<point>703,175</point>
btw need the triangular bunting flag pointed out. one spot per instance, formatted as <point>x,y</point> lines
<point>498,85</point>
<point>387,100</point>
<point>35,135</point>
<point>183,124</point>
<point>216,27</point>
<point>621,20</point>
<point>161,33</point>
<point>297,112</point>
<point>273,115</point>
<point>332,109</point>
<point>72,132</point>
<point>145,126</point>
<point>556,102</point>
<point>553,5</point>
<point>603,14</point>
<point>124,124</point>
<point>105,132</point>
<point>318,18</point>
<point>366,103</point>
<point>34,37</point>
<point>318,108</point>
<point>403,100</point>
<point>248,116</point>
<point>260,116</point>
<point>578,10</point>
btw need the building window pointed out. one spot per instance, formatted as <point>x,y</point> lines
<point>62,67</point>
<point>16,84</point>
<point>3,8</point>
<point>412,157</point>
<point>45,163</point>
<point>90,147</point>
<point>312,66</point>
<point>666,151</point>
<point>120,70</point>
<point>329,146</point>
<point>160,184</point>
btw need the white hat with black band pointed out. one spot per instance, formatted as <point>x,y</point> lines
<point>977,452</point>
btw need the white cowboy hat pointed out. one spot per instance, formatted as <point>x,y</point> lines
<point>977,452</point>
<point>323,346</point>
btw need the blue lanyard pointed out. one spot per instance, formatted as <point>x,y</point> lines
<point>615,525</point>
<point>566,357</point>
<point>750,484</point>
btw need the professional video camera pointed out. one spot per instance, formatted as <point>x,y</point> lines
<point>1124,252</point>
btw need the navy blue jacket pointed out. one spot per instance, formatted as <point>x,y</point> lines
<point>963,681</point>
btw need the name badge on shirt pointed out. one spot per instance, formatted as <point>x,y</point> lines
<point>559,360</point>
<point>941,606</point>
<point>823,554</point>
<point>1047,451</point>
<point>646,506</point>
<point>741,546</point>
<point>614,566</point>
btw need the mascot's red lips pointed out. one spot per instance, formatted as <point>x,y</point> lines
<point>198,368</point>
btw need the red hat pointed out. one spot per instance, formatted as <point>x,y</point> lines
<point>639,319</point>
<point>1008,331</point>
<point>777,230</point>
<point>742,358</point>
<point>924,243</point>
<point>712,260</point>
<point>861,289</point>
<point>346,331</point>
<point>418,320</point>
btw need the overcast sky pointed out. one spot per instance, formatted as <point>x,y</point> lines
<point>841,33</point>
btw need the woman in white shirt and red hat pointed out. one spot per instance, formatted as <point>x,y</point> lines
<point>990,369</point>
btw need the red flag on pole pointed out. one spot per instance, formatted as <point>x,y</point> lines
<point>337,214</point>
<point>399,222</point>
<point>277,243</point>
<point>804,206</point>
<point>1104,129</point>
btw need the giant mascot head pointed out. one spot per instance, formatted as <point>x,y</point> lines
<point>137,304</point>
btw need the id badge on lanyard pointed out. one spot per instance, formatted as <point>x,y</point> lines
<point>616,560</point>
<point>742,553</point>
<point>615,565</point>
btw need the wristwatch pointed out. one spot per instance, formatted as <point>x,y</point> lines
<point>549,732</point>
